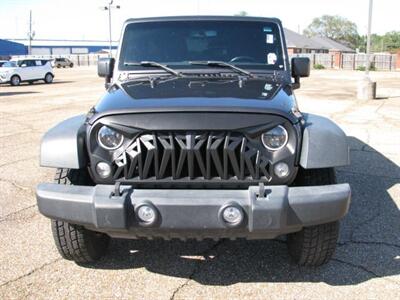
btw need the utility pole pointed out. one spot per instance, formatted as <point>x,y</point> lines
<point>366,88</point>
<point>109,7</point>
<point>368,64</point>
<point>30,34</point>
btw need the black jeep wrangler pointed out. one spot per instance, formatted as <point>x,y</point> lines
<point>198,136</point>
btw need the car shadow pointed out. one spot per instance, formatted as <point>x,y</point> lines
<point>369,245</point>
<point>6,85</point>
<point>17,93</point>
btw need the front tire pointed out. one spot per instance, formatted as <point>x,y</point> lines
<point>15,80</point>
<point>74,242</point>
<point>48,78</point>
<point>314,245</point>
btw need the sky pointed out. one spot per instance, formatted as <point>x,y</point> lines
<point>84,19</point>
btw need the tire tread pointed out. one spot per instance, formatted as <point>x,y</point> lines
<point>74,242</point>
<point>314,245</point>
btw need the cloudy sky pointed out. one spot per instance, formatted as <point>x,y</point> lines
<point>84,19</point>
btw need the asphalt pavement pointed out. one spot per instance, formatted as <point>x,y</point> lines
<point>366,263</point>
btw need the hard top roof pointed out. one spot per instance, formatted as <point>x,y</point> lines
<point>203,18</point>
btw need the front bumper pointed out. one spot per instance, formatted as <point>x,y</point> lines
<point>4,78</point>
<point>194,213</point>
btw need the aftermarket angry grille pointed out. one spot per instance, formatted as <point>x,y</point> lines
<point>192,156</point>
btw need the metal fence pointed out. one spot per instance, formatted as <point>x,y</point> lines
<point>77,59</point>
<point>351,61</point>
<point>347,61</point>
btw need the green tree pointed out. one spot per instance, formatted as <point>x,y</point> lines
<point>389,42</point>
<point>242,13</point>
<point>336,28</point>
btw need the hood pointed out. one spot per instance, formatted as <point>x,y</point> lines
<point>6,69</point>
<point>183,94</point>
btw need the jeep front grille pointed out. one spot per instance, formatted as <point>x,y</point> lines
<point>191,156</point>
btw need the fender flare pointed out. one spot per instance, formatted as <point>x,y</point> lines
<point>63,146</point>
<point>324,144</point>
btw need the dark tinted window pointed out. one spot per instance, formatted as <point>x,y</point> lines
<point>28,63</point>
<point>177,42</point>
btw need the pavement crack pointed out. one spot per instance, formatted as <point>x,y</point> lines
<point>21,187</point>
<point>17,161</point>
<point>377,243</point>
<point>357,267</point>
<point>31,272</point>
<point>366,270</point>
<point>361,224</point>
<point>197,268</point>
<point>3,219</point>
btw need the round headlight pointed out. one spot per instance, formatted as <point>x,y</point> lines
<point>109,139</point>
<point>275,138</point>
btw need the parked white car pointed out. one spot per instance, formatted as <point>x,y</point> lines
<point>30,70</point>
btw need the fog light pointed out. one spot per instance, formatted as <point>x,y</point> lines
<point>146,214</point>
<point>232,215</point>
<point>281,170</point>
<point>103,169</point>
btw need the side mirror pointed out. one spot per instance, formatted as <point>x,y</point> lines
<point>105,68</point>
<point>300,68</point>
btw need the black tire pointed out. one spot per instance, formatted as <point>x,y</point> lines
<point>71,65</point>
<point>15,80</point>
<point>58,66</point>
<point>314,245</point>
<point>315,177</point>
<point>74,242</point>
<point>48,78</point>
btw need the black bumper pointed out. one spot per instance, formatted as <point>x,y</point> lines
<point>194,213</point>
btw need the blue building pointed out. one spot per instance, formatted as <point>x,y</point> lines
<point>65,47</point>
<point>9,48</point>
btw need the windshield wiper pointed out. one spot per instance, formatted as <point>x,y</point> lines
<point>154,64</point>
<point>222,64</point>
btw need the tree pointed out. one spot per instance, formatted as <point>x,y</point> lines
<point>242,13</point>
<point>336,28</point>
<point>389,42</point>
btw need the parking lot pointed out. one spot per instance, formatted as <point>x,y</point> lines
<point>366,263</point>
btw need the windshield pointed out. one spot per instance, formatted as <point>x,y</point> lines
<point>10,64</point>
<point>255,45</point>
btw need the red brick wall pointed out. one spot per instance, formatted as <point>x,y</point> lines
<point>337,59</point>
<point>290,51</point>
<point>398,60</point>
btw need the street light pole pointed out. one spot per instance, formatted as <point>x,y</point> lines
<point>31,34</point>
<point>109,7</point>
<point>366,88</point>
<point>368,56</point>
<point>109,23</point>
